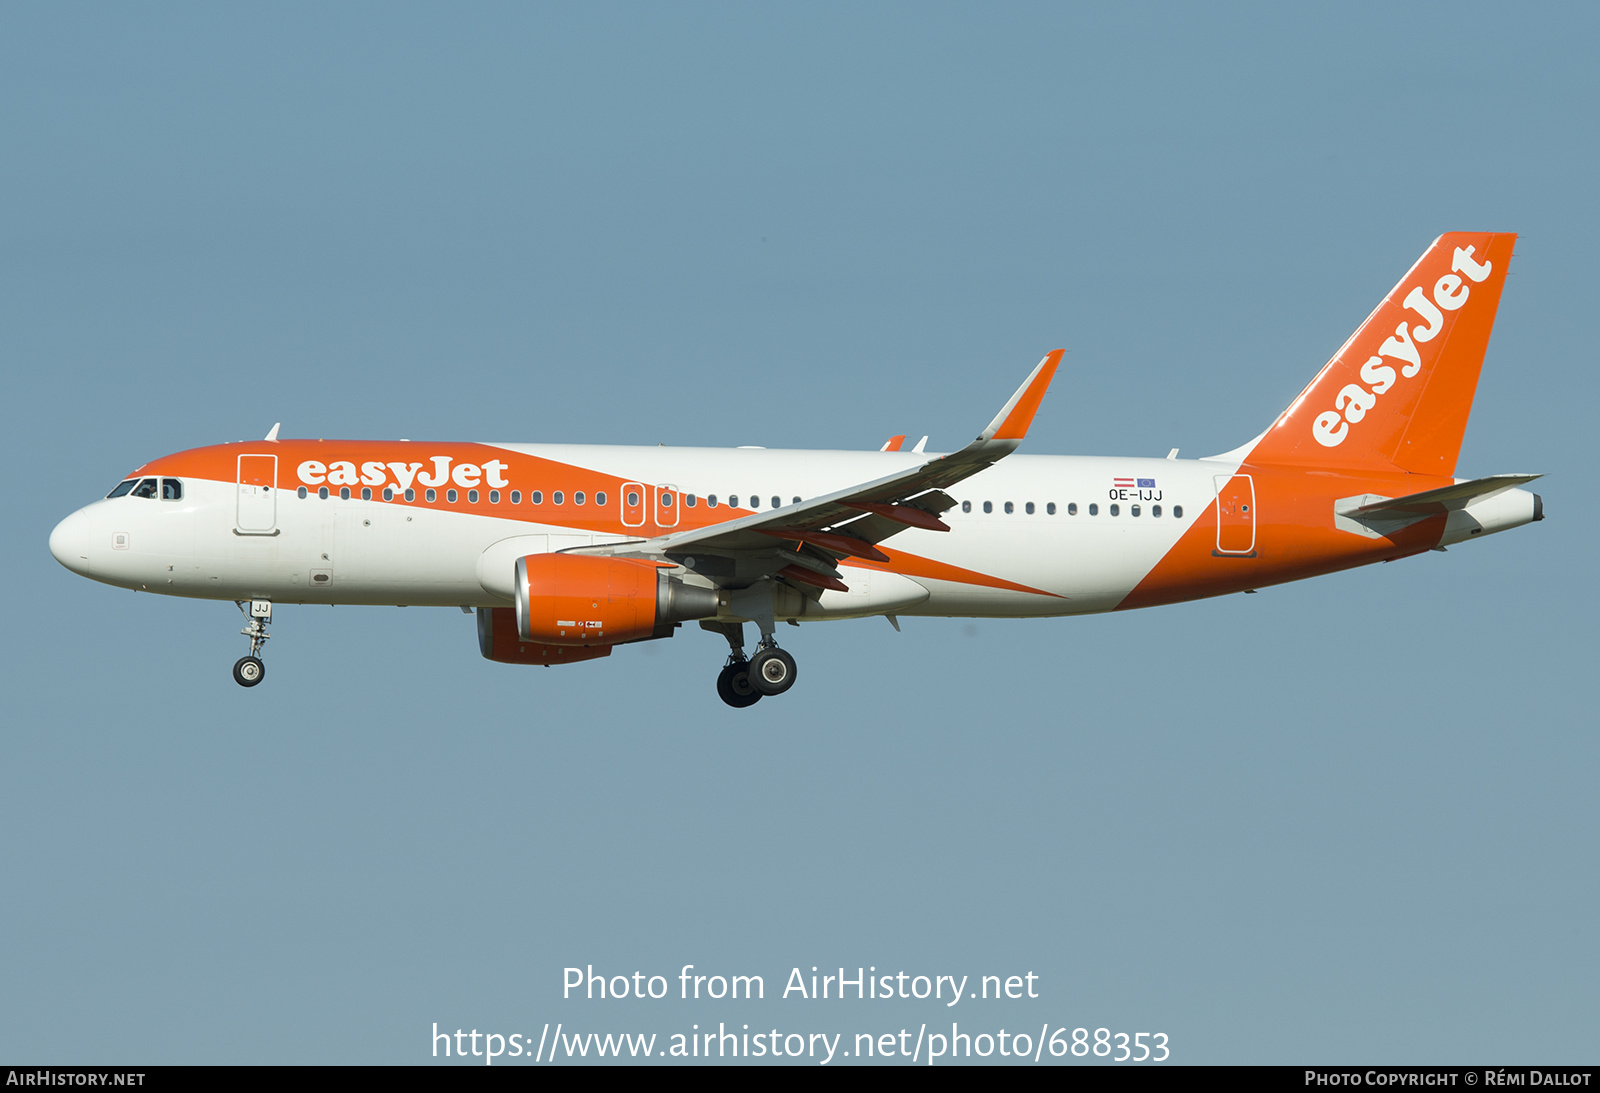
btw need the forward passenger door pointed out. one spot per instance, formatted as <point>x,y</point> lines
<point>257,512</point>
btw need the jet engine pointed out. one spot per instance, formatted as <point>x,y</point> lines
<point>589,600</point>
<point>498,641</point>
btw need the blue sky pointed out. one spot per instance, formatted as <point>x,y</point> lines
<point>1351,819</point>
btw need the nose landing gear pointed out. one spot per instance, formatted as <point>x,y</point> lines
<point>249,670</point>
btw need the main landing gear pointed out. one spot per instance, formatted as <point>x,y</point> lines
<point>771,669</point>
<point>742,682</point>
<point>248,671</point>
<point>733,684</point>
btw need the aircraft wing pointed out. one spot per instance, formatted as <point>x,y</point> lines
<point>847,522</point>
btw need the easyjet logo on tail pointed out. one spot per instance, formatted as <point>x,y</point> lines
<point>1353,402</point>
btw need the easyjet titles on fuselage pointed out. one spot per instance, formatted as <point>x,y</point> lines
<point>343,472</point>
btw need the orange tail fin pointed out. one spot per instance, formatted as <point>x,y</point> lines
<point>1399,392</point>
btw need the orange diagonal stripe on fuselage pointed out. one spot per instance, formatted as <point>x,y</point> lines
<point>913,565</point>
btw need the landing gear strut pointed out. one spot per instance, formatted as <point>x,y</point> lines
<point>735,685</point>
<point>248,671</point>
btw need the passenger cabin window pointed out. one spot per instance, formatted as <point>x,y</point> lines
<point>1136,510</point>
<point>1177,512</point>
<point>472,497</point>
<point>966,506</point>
<point>388,493</point>
<point>711,501</point>
<point>577,497</point>
<point>300,493</point>
<point>600,498</point>
<point>557,498</point>
<point>1094,510</point>
<point>988,506</point>
<point>536,497</point>
<point>145,488</point>
<point>1050,509</point>
<point>1116,510</point>
<point>171,489</point>
<point>123,488</point>
<point>494,497</point>
<point>1010,508</point>
<point>733,500</point>
<point>366,493</point>
<point>777,502</point>
<point>1155,510</point>
<point>688,499</point>
<point>344,493</point>
<point>450,496</point>
<point>1028,508</point>
<point>516,497</point>
<point>1072,508</point>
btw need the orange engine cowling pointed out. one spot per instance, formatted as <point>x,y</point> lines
<point>589,600</point>
<point>498,640</point>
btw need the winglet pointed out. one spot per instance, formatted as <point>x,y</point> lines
<point>1012,422</point>
<point>273,433</point>
<point>893,443</point>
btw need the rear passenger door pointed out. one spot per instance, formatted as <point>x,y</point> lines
<point>1236,516</point>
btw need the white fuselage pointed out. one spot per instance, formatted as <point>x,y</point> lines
<point>390,552</point>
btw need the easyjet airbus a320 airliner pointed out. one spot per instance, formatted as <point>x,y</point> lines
<point>567,551</point>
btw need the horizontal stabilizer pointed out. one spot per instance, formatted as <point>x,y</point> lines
<point>1434,502</point>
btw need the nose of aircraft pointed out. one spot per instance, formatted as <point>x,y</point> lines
<point>70,540</point>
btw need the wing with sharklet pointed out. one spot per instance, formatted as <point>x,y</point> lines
<point>811,536</point>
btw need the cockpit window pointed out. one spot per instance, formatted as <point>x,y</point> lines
<point>145,488</point>
<point>123,487</point>
<point>171,489</point>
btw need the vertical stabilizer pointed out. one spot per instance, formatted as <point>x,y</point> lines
<point>1398,394</point>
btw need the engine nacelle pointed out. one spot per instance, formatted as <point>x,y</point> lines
<point>498,640</point>
<point>588,599</point>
